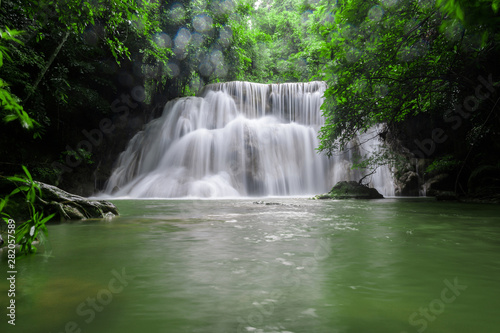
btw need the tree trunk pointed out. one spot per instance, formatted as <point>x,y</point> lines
<point>48,64</point>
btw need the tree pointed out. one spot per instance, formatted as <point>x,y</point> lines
<point>9,103</point>
<point>390,61</point>
<point>50,25</point>
<point>66,71</point>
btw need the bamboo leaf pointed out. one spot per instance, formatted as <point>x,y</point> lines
<point>27,173</point>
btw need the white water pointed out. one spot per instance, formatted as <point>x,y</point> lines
<point>238,139</point>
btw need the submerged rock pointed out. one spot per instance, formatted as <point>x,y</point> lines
<point>445,196</point>
<point>72,207</point>
<point>274,204</point>
<point>350,190</point>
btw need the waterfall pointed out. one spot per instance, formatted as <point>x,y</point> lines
<point>236,139</point>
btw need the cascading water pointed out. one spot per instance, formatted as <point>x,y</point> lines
<point>237,139</point>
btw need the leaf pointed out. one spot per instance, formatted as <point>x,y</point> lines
<point>10,117</point>
<point>15,191</point>
<point>3,202</point>
<point>495,5</point>
<point>16,179</point>
<point>27,173</point>
<point>460,13</point>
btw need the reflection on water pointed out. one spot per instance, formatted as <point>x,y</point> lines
<point>390,265</point>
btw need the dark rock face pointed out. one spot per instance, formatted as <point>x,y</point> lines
<point>73,207</point>
<point>439,183</point>
<point>350,190</point>
<point>484,180</point>
<point>408,184</point>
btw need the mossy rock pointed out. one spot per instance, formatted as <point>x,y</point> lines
<point>65,205</point>
<point>350,190</point>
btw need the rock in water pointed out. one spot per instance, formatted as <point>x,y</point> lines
<point>72,207</point>
<point>350,190</point>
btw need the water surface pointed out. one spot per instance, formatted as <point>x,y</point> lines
<point>392,265</point>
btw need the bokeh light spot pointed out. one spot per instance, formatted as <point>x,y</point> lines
<point>206,68</point>
<point>177,13</point>
<point>224,7</point>
<point>389,3</point>
<point>202,23</point>
<point>216,57</point>
<point>375,13</point>
<point>225,36</point>
<point>162,40</point>
<point>353,55</point>
<point>181,42</point>
<point>197,39</point>
<point>381,90</point>
<point>174,69</point>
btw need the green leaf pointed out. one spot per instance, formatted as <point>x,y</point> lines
<point>17,179</point>
<point>460,13</point>
<point>495,5</point>
<point>27,173</point>
<point>3,202</point>
<point>10,117</point>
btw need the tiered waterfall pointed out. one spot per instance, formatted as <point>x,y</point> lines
<point>236,139</point>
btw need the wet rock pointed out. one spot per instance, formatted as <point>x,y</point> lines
<point>350,190</point>
<point>446,196</point>
<point>274,204</point>
<point>72,207</point>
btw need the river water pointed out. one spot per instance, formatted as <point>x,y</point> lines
<point>266,265</point>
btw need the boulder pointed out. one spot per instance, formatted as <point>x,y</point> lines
<point>72,207</point>
<point>350,190</point>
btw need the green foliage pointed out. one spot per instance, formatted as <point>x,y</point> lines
<point>31,230</point>
<point>34,228</point>
<point>471,13</point>
<point>46,174</point>
<point>79,154</point>
<point>386,62</point>
<point>9,103</point>
<point>63,38</point>
<point>442,165</point>
<point>278,34</point>
<point>63,72</point>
